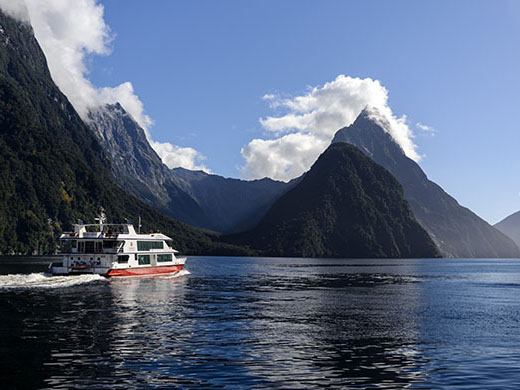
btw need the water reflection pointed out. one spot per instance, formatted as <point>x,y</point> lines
<point>338,324</point>
<point>268,323</point>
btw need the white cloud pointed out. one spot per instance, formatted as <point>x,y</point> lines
<point>69,31</point>
<point>16,9</point>
<point>310,121</point>
<point>425,128</point>
<point>277,157</point>
<point>269,96</point>
<point>176,156</point>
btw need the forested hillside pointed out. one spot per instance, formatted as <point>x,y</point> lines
<point>52,168</point>
<point>345,206</point>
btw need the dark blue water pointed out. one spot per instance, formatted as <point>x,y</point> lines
<point>267,323</point>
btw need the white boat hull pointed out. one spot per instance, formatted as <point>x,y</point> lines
<point>120,272</point>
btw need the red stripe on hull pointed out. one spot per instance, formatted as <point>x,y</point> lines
<point>145,271</point>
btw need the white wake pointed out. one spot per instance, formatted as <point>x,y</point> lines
<point>41,280</point>
<point>182,272</point>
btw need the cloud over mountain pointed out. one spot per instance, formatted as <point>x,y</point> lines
<point>71,31</point>
<point>15,9</point>
<point>307,124</point>
<point>177,156</point>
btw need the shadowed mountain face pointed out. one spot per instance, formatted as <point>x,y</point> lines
<point>138,168</point>
<point>345,206</point>
<point>52,168</point>
<point>194,197</point>
<point>511,227</point>
<point>456,230</point>
<point>230,205</point>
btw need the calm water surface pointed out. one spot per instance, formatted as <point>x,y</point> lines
<point>266,323</point>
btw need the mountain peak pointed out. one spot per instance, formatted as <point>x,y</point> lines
<point>369,133</point>
<point>457,231</point>
<point>369,112</point>
<point>117,107</point>
<point>376,116</point>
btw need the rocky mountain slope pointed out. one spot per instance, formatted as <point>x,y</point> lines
<point>457,230</point>
<point>137,167</point>
<point>194,197</point>
<point>510,226</point>
<point>52,168</point>
<point>345,206</point>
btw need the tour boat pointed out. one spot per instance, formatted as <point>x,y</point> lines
<point>115,250</point>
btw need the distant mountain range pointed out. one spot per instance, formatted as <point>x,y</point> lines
<point>193,197</point>
<point>215,202</point>
<point>345,206</point>
<point>511,227</point>
<point>231,205</point>
<point>456,230</point>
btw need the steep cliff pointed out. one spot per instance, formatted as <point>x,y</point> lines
<point>456,230</point>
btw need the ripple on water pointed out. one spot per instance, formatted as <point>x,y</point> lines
<point>267,323</point>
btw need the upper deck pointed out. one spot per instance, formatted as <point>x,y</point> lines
<point>110,231</point>
<point>111,239</point>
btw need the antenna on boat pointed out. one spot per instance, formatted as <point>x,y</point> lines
<point>139,226</point>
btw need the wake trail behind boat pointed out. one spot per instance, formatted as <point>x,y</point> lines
<point>42,280</point>
<point>179,274</point>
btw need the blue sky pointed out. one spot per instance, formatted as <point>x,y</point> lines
<point>201,69</point>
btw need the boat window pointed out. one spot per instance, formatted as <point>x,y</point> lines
<point>73,244</point>
<point>89,246</point>
<point>81,246</point>
<point>65,246</point>
<point>109,244</point>
<point>163,258</point>
<point>148,245</point>
<point>143,259</point>
<point>122,259</point>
